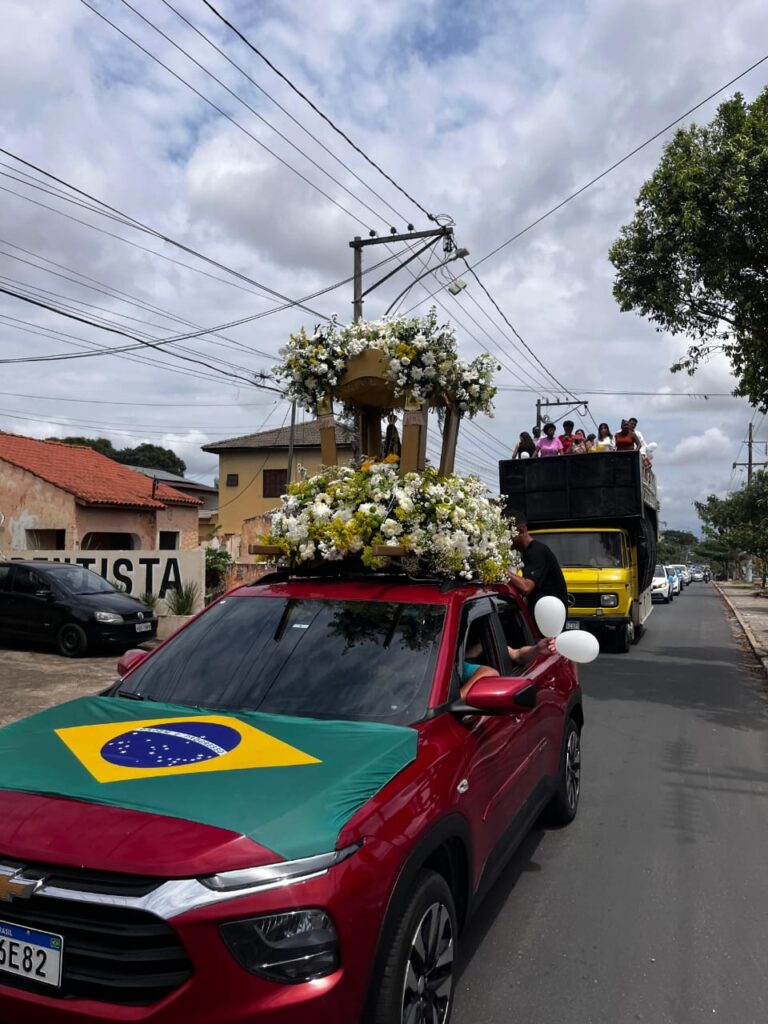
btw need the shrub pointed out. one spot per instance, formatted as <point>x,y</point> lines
<point>184,600</point>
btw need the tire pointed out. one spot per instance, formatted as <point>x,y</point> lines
<point>71,640</point>
<point>427,930</point>
<point>565,803</point>
<point>624,638</point>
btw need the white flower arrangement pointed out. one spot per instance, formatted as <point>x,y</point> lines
<point>423,364</point>
<point>447,526</point>
<point>472,385</point>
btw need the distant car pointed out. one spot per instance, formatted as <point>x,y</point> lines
<point>69,606</point>
<point>660,585</point>
<point>697,576</point>
<point>674,581</point>
<point>682,571</point>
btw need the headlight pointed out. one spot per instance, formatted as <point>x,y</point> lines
<point>609,600</point>
<point>108,617</point>
<point>294,947</point>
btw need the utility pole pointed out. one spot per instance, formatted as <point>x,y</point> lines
<point>369,427</point>
<point>547,402</point>
<point>750,464</point>
<point>291,439</point>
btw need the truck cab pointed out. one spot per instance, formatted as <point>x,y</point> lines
<point>598,513</point>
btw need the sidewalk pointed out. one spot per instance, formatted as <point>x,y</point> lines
<point>751,611</point>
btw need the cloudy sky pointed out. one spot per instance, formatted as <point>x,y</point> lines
<point>488,111</point>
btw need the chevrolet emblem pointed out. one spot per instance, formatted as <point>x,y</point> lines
<point>13,884</point>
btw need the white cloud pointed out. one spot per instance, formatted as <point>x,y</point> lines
<point>488,111</point>
<point>709,446</point>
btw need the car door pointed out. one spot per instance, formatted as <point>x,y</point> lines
<point>544,722</point>
<point>31,608</point>
<point>499,744</point>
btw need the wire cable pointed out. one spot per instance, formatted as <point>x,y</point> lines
<point>255,112</point>
<point>284,110</point>
<point>316,109</point>
<point>223,113</point>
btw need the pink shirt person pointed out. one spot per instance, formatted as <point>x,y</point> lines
<point>549,444</point>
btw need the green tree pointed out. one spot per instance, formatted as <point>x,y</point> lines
<point>675,546</point>
<point>100,444</point>
<point>694,259</point>
<point>148,456</point>
<point>740,520</point>
<point>152,456</point>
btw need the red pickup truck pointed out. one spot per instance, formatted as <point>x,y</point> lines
<point>285,814</point>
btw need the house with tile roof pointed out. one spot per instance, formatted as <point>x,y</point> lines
<point>253,470</point>
<point>56,496</point>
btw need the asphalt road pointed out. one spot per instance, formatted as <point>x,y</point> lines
<point>653,905</point>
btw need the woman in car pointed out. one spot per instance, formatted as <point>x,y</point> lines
<point>518,656</point>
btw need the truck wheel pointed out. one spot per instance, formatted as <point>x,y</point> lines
<point>71,640</point>
<point>624,637</point>
<point>418,978</point>
<point>638,632</point>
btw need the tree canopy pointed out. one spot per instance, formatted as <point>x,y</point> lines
<point>739,521</point>
<point>148,456</point>
<point>675,546</point>
<point>694,259</point>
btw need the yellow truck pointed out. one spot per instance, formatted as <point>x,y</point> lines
<point>599,514</point>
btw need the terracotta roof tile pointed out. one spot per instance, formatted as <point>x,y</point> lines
<point>91,477</point>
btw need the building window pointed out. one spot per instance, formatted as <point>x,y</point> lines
<point>168,540</point>
<point>109,542</point>
<point>233,479</point>
<point>275,482</point>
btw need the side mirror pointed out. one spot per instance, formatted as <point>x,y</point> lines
<point>498,695</point>
<point>130,660</point>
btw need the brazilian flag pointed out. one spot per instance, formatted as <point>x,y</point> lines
<point>290,784</point>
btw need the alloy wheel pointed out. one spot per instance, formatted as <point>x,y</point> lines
<point>573,769</point>
<point>429,969</point>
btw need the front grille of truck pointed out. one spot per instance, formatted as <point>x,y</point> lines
<point>589,599</point>
<point>111,954</point>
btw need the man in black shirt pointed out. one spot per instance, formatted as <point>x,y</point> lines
<point>541,570</point>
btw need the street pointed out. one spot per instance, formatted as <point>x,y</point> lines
<point>652,906</point>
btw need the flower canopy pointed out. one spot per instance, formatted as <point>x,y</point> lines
<point>447,526</point>
<point>422,362</point>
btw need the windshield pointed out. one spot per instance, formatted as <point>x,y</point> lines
<point>585,550</point>
<point>78,580</point>
<point>659,571</point>
<point>363,660</point>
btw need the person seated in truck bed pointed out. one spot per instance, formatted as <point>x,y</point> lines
<point>626,439</point>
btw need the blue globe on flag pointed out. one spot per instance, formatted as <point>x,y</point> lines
<point>171,745</point>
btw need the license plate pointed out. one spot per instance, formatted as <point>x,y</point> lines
<point>29,954</point>
<point>143,627</point>
<point>572,624</point>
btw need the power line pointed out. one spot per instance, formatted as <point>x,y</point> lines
<point>136,405</point>
<point>255,112</point>
<point>316,109</point>
<point>138,225</point>
<point>223,113</point>
<point>284,110</point>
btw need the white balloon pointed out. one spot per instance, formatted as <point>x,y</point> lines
<point>651,447</point>
<point>550,615</point>
<point>578,645</point>
<point>525,455</point>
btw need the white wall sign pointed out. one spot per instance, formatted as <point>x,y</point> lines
<point>138,572</point>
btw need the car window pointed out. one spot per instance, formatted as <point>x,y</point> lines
<point>5,578</point>
<point>517,632</point>
<point>358,660</point>
<point>79,580</point>
<point>476,645</point>
<point>27,581</point>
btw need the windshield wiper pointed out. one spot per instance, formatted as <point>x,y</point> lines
<point>132,695</point>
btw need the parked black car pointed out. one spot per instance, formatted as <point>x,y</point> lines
<point>71,606</point>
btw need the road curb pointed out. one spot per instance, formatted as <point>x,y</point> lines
<point>757,648</point>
